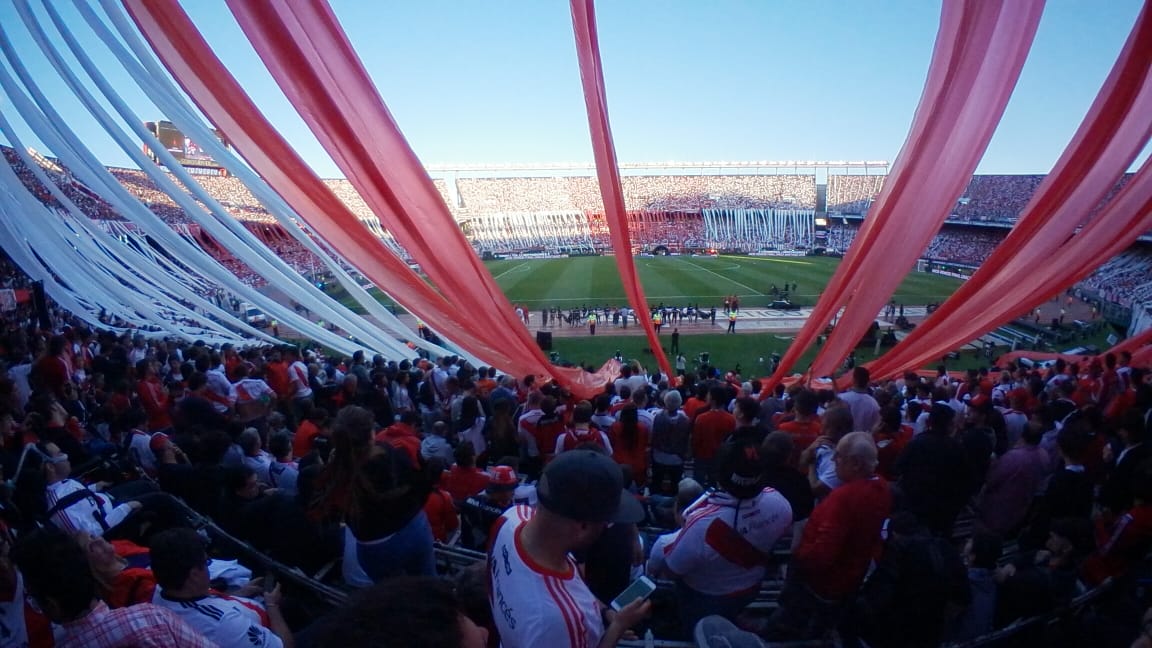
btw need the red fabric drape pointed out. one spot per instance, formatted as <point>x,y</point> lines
<point>913,217</point>
<point>1119,225</point>
<point>309,55</point>
<point>1134,344</point>
<point>1116,128</point>
<point>607,170</point>
<point>186,55</point>
<point>979,51</point>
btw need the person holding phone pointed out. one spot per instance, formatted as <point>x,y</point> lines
<point>537,595</point>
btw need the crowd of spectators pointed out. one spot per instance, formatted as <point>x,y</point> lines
<point>852,193</point>
<point>970,246</point>
<point>917,510</point>
<point>1125,279</point>
<point>654,192</point>
<point>951,244</point>
<point>89,203</point>
<point>507,215</point>
<point>998,198</point>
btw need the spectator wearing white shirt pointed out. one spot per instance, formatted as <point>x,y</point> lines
<point>254,455</point>
<point>283,472</point>
<point>688,491</point>
<point>865,410</point>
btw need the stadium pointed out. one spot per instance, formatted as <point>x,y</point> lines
<point>688,404</point>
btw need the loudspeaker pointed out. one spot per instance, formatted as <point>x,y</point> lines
<point>544,340</point>
<point>41,305</point>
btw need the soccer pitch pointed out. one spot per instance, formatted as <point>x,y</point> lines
<point>682,280</point>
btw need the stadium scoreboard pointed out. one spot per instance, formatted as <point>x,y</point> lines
<point>187,152</point>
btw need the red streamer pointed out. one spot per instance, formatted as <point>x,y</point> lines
<point>980,49</point>
<point>182,49</point>
<point>607,170</point>
<point>1112,134</point>
<point>309,55</point>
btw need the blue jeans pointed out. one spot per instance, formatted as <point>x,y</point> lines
<point>408,552</point>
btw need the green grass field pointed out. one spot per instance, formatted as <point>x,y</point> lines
<point>682,280</point>
<point>574,282</point>
<point>566,283</point>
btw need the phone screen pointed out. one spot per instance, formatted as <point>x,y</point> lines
<point>640,588</point>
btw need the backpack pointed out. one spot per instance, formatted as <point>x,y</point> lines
<point>573,441</point>
<point>671,435</point>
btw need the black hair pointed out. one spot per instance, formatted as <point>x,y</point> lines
<point>806,402</point>
<point>55,568</point>
<point>629,425</point>
<point>465,454</point>
<point>280,444</point>
<point>405,611</point>
<point>236,477</point>
<point>175,553</point>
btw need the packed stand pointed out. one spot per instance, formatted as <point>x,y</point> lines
<point>654,193</point>
<point>1126,279</point>
<point>970,246</point>
<point>88,202</point>
<point>998,198</point>
<point>852,193</point>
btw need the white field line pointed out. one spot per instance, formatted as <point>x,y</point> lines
<point>754,291</point>
<point>512,269</point>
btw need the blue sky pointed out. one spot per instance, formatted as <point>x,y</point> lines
<point>497,82</point>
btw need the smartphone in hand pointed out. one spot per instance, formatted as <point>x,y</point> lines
<point>641,588</point>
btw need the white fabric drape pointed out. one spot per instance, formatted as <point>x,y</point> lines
<point>171,101</point>
<point>54,131</point>
<point>225,229</point>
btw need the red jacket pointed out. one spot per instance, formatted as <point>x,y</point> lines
<point>441,514</point>
<point>709,430</point>
<point>1121,545</point>
<point>154,399</point>
<point>842,537</point>
<point>402,436</point>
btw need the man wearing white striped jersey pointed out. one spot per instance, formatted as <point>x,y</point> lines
<point>179,563</point>
<point>537,595</point>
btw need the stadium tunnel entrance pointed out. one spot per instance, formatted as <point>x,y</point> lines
<point>660,250</point>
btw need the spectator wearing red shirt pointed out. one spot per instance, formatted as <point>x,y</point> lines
<point>1124,542</point>
<point>709,430</point>
<point>464,479</point>
<point>804,427</point>
<point>402,435</point>
<point>441,510</point>
<point>840,540</point>
<point>277,377</point>
<point>891,436</point>
<point>52,370</point>
<point>697,403</point>
<point>307,432</point>
<point>154,397</point>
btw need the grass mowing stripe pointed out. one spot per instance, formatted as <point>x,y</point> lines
<point>743,285</point>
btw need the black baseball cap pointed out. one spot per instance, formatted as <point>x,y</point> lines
<point>740,468</point>
<point>587,486</point>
